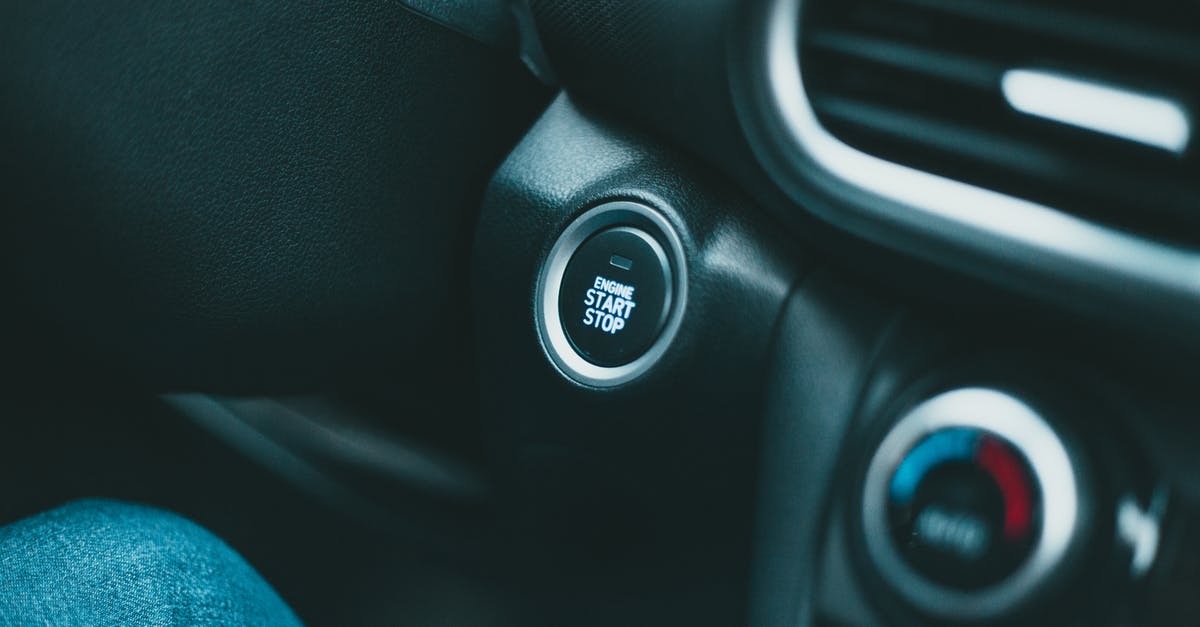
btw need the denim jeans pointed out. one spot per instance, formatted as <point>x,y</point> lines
<point>106,563</point>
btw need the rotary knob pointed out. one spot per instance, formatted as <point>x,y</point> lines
<point>962,508</point>
<point>970,503</point>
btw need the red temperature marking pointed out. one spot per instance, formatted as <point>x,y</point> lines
<point>1006,470</point>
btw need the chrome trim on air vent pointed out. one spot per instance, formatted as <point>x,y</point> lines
<point>1026,245</point>
<point>1151,120</point>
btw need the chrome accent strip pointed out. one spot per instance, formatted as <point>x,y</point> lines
<point>1111,110</point>
<point>1015,422</point>
<point>1041,250</point>
<point>1141,531</point>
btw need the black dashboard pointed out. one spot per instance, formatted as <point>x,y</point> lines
<point>960,292</point>
<point>771,312</point>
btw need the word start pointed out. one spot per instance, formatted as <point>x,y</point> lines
<point>608,305</point>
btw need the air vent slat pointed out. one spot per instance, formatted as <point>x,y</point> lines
<point>932,143</point>
<point>950,67</point>
<point>957,141</point>
<point>1074,26</point>
<point>918,82</point>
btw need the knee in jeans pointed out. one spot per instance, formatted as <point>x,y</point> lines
<point>114,562</point>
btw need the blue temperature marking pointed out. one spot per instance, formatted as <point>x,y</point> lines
<point>943,446</point>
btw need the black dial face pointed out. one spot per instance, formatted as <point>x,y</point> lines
<point>615,296</point>
<point>963,509</point>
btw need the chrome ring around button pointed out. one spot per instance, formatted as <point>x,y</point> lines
<point>550,328</point>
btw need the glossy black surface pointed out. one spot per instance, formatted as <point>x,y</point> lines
<point>615,296</point>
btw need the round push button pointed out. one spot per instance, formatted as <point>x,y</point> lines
<point>611,294</point>
<point>615,296</point>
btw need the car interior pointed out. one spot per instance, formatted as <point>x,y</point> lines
<point>496,313</point>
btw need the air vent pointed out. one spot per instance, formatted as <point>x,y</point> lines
<point>1082,106</point>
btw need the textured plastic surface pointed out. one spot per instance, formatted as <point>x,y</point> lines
<point>632,503</point>
<point>231,196</point>
<point>821,363</point>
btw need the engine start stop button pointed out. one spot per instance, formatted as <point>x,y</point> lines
<point>615,295</point>
<point>611,293</point>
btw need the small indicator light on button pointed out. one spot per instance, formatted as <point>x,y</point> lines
<point>621,262</point>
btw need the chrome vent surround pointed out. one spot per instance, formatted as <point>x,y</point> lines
<point>991,217</point>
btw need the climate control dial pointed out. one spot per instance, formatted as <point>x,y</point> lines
<point>969,504</point>
<point>962,507</point>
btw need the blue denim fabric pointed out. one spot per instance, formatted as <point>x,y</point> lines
<point>108,563</point>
